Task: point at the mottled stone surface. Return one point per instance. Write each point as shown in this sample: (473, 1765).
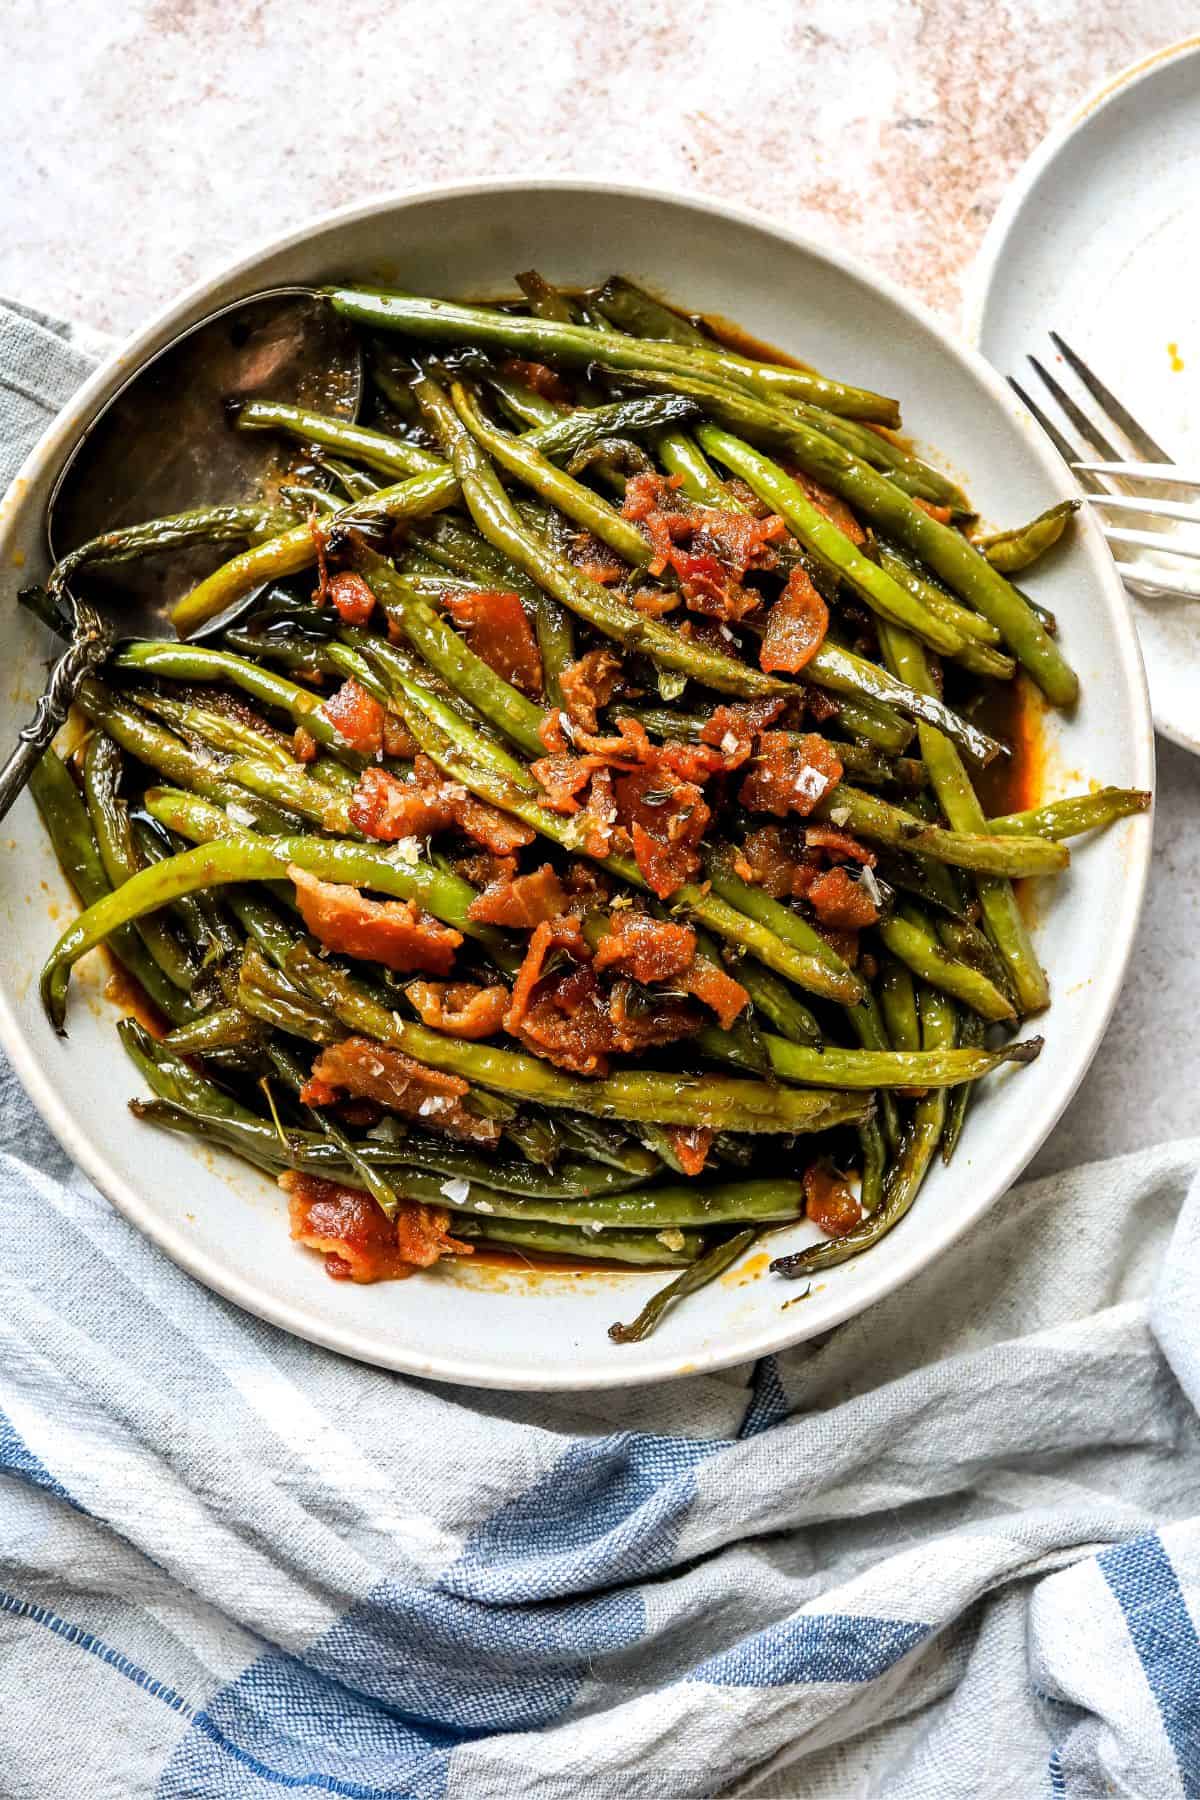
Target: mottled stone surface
(147, 143)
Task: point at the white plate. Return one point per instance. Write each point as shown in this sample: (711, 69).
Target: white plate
(228, 1225)
(1096, 239)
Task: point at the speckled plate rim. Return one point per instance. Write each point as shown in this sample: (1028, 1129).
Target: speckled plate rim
(878, 1276)
(985, 271)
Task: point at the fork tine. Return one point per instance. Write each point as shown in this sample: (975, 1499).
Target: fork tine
(1147, 472)
(1077, 416)
(1138, 582)
(1187, 510)
(1138, 436)
(1065, 449)
(1116, 533)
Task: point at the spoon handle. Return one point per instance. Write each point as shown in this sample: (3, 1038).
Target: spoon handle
(89, 646)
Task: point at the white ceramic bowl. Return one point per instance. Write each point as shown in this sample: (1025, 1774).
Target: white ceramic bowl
(226, 1224)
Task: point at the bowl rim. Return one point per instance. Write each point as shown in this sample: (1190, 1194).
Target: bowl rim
(778, 1331)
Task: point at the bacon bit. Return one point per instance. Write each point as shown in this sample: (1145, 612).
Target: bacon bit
(708, 982)
(587, 887)
(321, 591)
(734, 728)
(844, 942)
(373, 1071)
(573, 1023)
(386, 808)
(721, 546)
(560, 779)
(840, 902)
(398, 741)
(593, 559)
(943, 514)
(304, 745)
(666, 818)
(636, 1027)
(709, 634)
(564, 932)
(317, 1093)
(821, 706)
(771, 859)
(708, 587)
(536, 375)
(357, 717)
(498, 631)
(589, 684)
(838, 846)
(358, 1241)
(462, 1008)
(790, 776)
(551, 732)
(352, 599)
(521, 902)
(645, 948)
(832, 505)
(691, 1144)
(481, 868)
(828, 1201)
(652, 603)
(394, 932)
(599, 818)
(796, 626)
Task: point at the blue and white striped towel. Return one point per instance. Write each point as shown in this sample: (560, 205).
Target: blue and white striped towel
(952, 1550)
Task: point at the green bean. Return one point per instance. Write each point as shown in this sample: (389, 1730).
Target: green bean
(904, 569)
(230, 733)
(198, 525)
(648, 1249)
(1069, 818)
(495, 699)
(722, 1103)
(265, 993)
(903, 1180)
(294, 550)
(776, 1001)
(971, 1031)
(631, 309)
(874, 1159)
(195, 662)
(290, 650)
(870, 1069)
(604, 1143)
(363, 1174)
(578, 345)
(679, 1206)
(65, 817)
(915, 945)
(119, 855)
(1008, 854)
(959, 802)
(704, 1270)
(217, 1029)
(356, 484)
(871, 690)
(1012, 551)
(499, 521)
(898, 1004)
(390, 455)
(175, 1080)
(681, 455)
(571, 432)
(545, 301)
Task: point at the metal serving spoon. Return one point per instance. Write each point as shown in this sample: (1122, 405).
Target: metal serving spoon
(164, 443)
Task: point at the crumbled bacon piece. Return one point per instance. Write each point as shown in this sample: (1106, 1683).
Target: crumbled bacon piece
(821, 706)
(653, 603)
(521, 902)
(943, 514)
(304, 745)
(840, 902)
(357, 717)
(481, 868)
(733, 728)
(561, 778)
(837, 845)
(588, 684)
(358, 1241)
(395, 933)
(828, 1201)
(599, 818)
(666, 818)
(796, 626)
(708, 982)
(499, 632)
(462, 1008)
(352, 599)
(552, 733)
(386, 808)
(374, 1071)
(710, 549)
(543, 380)
(645, 948)
(572, 1022)
(833, 507)
(691, 1144)
(772, 860)
(593, 559)
(317, 1093)
(564, 932)
(790, 774)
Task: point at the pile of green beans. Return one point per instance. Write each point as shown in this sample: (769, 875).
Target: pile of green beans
(207, 774)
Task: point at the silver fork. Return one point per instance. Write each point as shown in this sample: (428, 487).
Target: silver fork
(1116, 482)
